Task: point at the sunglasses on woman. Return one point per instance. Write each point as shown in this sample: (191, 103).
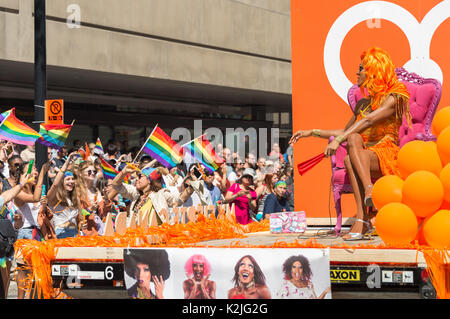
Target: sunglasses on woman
(91, 172)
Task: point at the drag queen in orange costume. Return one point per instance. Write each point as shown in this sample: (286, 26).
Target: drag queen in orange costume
(371, 134)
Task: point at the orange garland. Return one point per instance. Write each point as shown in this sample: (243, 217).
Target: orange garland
(40, 255)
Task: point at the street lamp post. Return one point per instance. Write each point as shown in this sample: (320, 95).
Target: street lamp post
(40, 75)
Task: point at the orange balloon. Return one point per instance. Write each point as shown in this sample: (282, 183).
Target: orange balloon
(423, 192)
(445, 180)
(443, 145)
(441, 120)
(396, 224)
(436, 229)
(387, 189)
(418, 156)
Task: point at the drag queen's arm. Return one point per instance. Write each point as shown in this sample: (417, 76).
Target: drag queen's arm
(326, 134)
(385, 111)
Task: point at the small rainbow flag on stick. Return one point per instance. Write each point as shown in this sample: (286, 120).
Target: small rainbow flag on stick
(82, 153)
(109, 172)
(14, 130)
(98, 149)
(203, 153)
(162, 148)
(54, 135)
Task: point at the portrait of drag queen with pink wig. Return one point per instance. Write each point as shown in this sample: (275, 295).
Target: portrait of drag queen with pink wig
(198, 285)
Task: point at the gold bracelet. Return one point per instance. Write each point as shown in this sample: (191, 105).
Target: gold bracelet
(340, 139)
(316, 132)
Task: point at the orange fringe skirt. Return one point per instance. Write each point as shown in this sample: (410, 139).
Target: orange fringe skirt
(387, 153)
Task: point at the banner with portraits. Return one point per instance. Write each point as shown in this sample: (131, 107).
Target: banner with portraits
(227, 273)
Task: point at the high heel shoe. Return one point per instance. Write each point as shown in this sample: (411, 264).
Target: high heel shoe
(361, 236)
(368, 199)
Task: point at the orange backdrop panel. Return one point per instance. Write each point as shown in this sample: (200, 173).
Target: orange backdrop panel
(316, 103)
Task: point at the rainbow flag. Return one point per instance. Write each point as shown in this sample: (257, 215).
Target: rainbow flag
(162, 148)
(54, 135)
(98, 147)
(109, 172)
(82, 153)
(203, 153)
(14, 130)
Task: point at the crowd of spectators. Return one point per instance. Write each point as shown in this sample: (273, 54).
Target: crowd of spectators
(70, 195)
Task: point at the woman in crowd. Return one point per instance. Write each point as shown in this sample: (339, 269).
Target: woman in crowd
(64, 201)
(10, 213)
(173, 180)
(277, 201)
(146, 266)
(242, 194)
(220, 178)
(14, 163)
(28, 205)
(263, 190)
(249, 280)
(372, 133)
(90, 198)
(297, 282)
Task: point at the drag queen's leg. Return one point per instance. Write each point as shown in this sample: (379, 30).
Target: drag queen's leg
(364, 162)
(358, 193)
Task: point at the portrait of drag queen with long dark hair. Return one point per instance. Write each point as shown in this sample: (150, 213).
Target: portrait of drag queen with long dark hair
(249, 280)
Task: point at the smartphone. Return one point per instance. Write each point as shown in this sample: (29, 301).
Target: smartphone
(30, 166)
(197, 173)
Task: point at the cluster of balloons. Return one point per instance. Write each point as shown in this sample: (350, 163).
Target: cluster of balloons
(416, 206)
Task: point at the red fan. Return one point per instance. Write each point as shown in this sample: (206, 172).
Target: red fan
(307, 165)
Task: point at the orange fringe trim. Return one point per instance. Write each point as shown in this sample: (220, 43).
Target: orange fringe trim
(387, 153)
(38, 256)
(438, 268)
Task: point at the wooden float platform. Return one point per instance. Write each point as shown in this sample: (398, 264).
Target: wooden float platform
(337, 253)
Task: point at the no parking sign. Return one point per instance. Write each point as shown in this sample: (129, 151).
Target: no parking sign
(54, 111)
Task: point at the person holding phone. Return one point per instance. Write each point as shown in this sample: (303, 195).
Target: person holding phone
(13, 175)
(201, 196)
(6, 151)
(173, 180)
(148, 192)
(243, 195)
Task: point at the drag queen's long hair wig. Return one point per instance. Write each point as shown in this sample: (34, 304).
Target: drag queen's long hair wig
(381, 81)
(199, 259)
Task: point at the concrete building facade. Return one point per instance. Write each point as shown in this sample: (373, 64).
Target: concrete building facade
(123, 66)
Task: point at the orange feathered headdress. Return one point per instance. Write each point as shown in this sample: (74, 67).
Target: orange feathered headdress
(381, 80)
